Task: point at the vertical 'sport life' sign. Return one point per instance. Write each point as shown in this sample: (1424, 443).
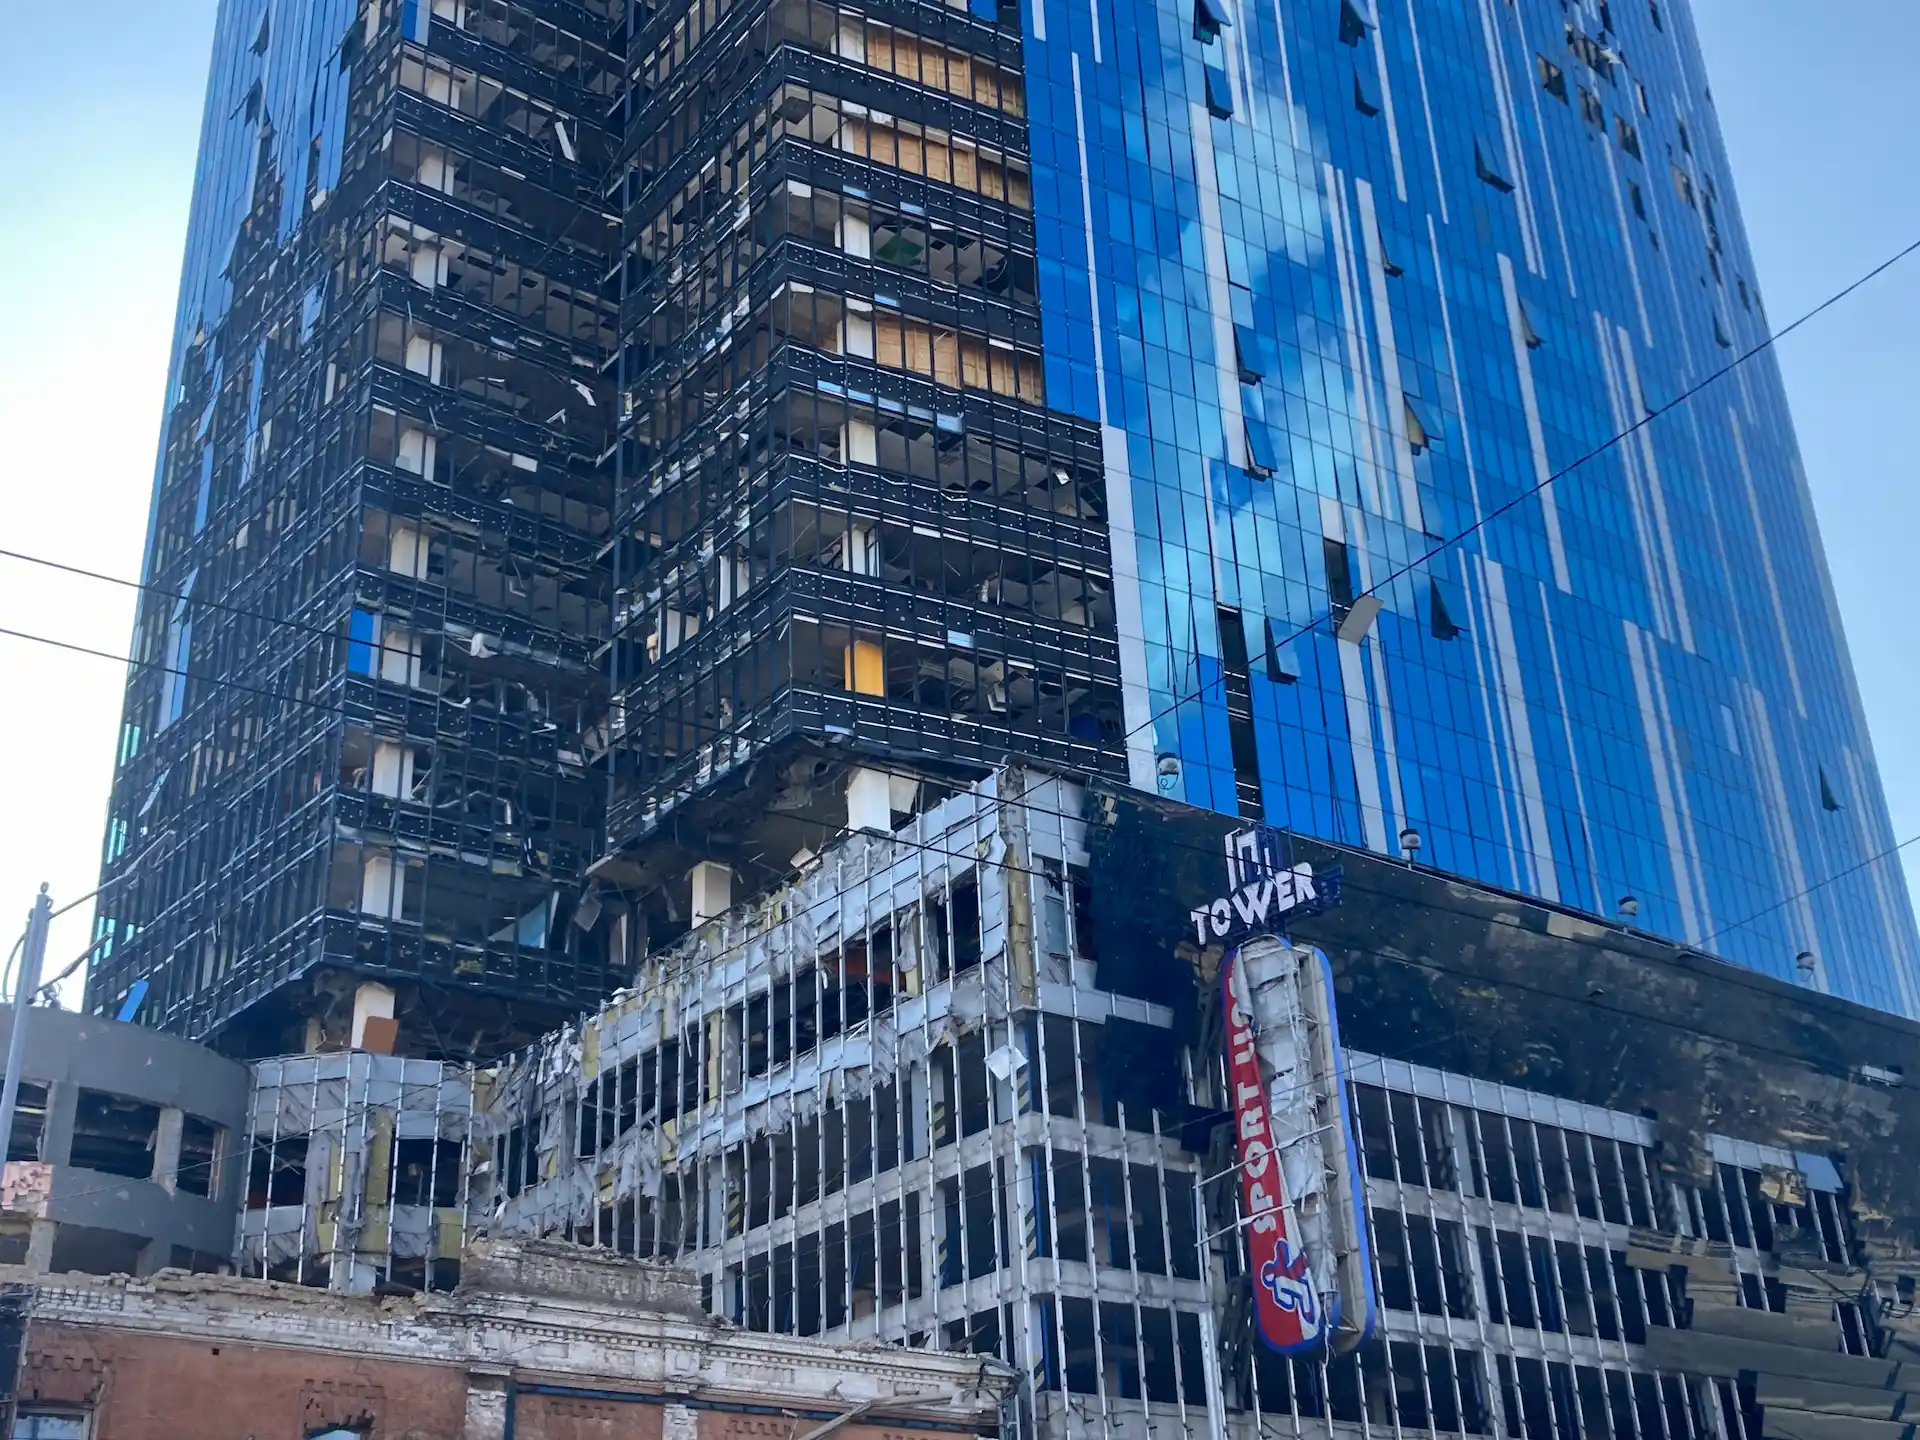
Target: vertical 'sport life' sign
(1302, 1197)
(1286, 1302)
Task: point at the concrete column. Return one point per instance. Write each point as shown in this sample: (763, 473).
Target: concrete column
(712, 890)
(166, 1150)
(489, 1398)
(373, 1011)
(870, 801)
(40, 1246)
(154, 1256)
(56, 1139)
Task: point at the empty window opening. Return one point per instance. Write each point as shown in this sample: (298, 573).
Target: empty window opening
(1552, 78)
(115, 1135)
(427, 1172)
(1356, 20)
(1488, 172)
(1241, 738)
(1443, 610)
(277, 1174)
(199, 1156)
(29, 1122)
(1828, 800)
(1261, 457)
(1219, 93)
(1209, 19)
(1339, 571)
(1362, 101)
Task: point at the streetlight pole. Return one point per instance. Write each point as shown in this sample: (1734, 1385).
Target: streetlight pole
(32, 954)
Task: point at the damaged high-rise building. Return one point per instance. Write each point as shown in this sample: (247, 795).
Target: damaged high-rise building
(1019, 1079)
(929, 656)
(1223, 397)
(1023, 1077)
(1193, 1126)
(615, 450)
(352, 788)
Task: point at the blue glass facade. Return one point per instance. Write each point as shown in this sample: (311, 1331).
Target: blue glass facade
(955, 382)
(1341, 279)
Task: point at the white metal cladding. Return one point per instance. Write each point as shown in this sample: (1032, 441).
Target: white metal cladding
(884, 1102)
(357, 1171)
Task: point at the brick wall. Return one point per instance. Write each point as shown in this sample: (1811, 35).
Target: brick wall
(154, 1387)
(144, 1386)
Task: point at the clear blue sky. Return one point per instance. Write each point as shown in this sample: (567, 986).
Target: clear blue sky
(100, 105)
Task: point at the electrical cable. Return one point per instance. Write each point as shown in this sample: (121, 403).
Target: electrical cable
(1767, 343)
(842, 832)
(1595, 453)
(330, 632)
(1605, 447)
(6, 974)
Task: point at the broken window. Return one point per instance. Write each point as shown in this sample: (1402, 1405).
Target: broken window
(115, 1135)
(1485, 168)
(1070, 1204)
(1262, 459)
(1422, 431)
(427, 1172)
(1552, 78)
(277, 1174)
(1283, 661)
(1444, 610)
(1081, 884)
(198, 1172)
(1339, 572)
(1362, 101)
(1209, 18)
(29, 1122)
(1253, 353)
(1828, 800)
(1082, 1367)
(1219, 93)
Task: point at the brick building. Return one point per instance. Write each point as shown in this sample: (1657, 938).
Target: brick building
(541, 1342)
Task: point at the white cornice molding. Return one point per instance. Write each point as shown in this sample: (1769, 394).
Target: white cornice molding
(557, 1340)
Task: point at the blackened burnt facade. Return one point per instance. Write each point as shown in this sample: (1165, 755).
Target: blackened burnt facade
(352, 749)
(849, 529)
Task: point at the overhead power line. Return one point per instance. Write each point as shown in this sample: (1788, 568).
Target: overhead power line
(840, 832)
(332, 632)
(1566, 470)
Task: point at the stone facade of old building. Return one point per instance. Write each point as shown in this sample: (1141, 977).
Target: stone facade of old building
(540, 1342)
